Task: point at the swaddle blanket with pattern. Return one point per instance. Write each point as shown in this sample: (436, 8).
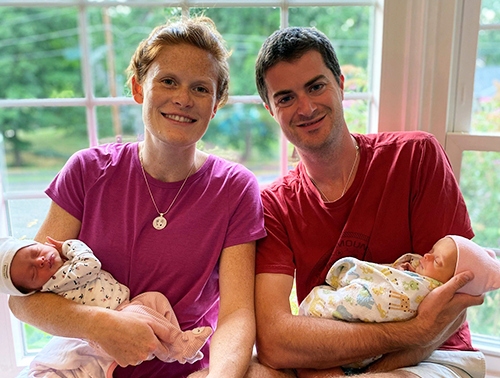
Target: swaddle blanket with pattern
(363, 291)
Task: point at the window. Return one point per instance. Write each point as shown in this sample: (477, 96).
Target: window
(64, 90)
(409, 65)
(473, 143)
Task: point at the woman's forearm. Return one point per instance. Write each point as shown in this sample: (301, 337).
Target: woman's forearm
(55, 315)
(232, 345)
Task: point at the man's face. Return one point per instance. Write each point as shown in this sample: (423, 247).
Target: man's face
(306, 100)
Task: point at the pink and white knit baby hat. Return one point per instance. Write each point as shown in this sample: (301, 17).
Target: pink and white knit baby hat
(480, 261)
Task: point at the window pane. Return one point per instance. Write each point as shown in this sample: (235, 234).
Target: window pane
(26, 216)
(40, 53)
(349, 29)
(244, 30)
(34, 339)
(479, 182)
(486, 105)
(122, 123)
(115, 34)
(247, 134)
(37, 142)
(356, 115)
(490, 12)
(484, 319)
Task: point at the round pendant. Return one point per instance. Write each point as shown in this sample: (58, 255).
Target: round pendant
(159, 222)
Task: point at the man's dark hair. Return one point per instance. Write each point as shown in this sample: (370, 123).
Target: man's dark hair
(288, 45)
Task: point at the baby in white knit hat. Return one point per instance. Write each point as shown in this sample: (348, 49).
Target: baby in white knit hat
(71, 270)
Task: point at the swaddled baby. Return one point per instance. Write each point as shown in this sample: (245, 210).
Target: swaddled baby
(356, 290)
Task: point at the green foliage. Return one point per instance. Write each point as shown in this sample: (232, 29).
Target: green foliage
(480, 183)
(490, 12)
(348, 28)
(35, 339)
(486, 117)
(128, 27)
(356, 115)
(37, 58)
(244, 30)
(484, 319)
(248, 129)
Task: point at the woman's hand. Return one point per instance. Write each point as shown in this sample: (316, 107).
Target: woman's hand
(126, 337)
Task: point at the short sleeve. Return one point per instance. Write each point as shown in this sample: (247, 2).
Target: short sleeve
(274, 253)
(246, 220)
(82, 170)
(67, 189)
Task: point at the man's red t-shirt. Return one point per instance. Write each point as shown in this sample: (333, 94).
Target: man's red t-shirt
(403, 199)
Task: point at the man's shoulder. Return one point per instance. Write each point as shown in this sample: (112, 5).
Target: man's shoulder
(397, 138)
(290, 182)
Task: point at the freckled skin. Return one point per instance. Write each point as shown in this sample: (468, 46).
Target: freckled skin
(178, 95)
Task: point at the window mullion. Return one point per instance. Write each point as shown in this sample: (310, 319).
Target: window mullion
(88, 87)
(463, 72)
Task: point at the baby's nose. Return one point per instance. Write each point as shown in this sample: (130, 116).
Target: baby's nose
(41, 261)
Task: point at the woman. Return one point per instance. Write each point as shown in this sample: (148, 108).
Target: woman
(162, 216)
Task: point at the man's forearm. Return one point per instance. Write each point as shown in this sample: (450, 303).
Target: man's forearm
(414, 356)
(287, 341)
(310, 342)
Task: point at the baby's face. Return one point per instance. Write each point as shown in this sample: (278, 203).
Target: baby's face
(33, 265)
(440, 262)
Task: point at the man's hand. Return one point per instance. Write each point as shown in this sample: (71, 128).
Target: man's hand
(439, 316)
(442, 307)
(126, 337)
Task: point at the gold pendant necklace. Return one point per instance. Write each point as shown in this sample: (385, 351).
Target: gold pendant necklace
(160, 222)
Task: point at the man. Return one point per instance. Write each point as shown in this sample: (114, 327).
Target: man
(373, 197)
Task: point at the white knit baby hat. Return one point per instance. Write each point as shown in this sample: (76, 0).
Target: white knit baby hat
(480, 261)
(8, 248)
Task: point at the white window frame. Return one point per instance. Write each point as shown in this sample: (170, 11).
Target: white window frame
(459, 138)
(427, 80)
(424, 51)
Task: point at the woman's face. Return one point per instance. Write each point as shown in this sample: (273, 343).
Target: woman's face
(178, 94)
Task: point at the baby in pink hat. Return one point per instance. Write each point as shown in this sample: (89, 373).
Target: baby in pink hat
(454, 254)
(356, 290)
